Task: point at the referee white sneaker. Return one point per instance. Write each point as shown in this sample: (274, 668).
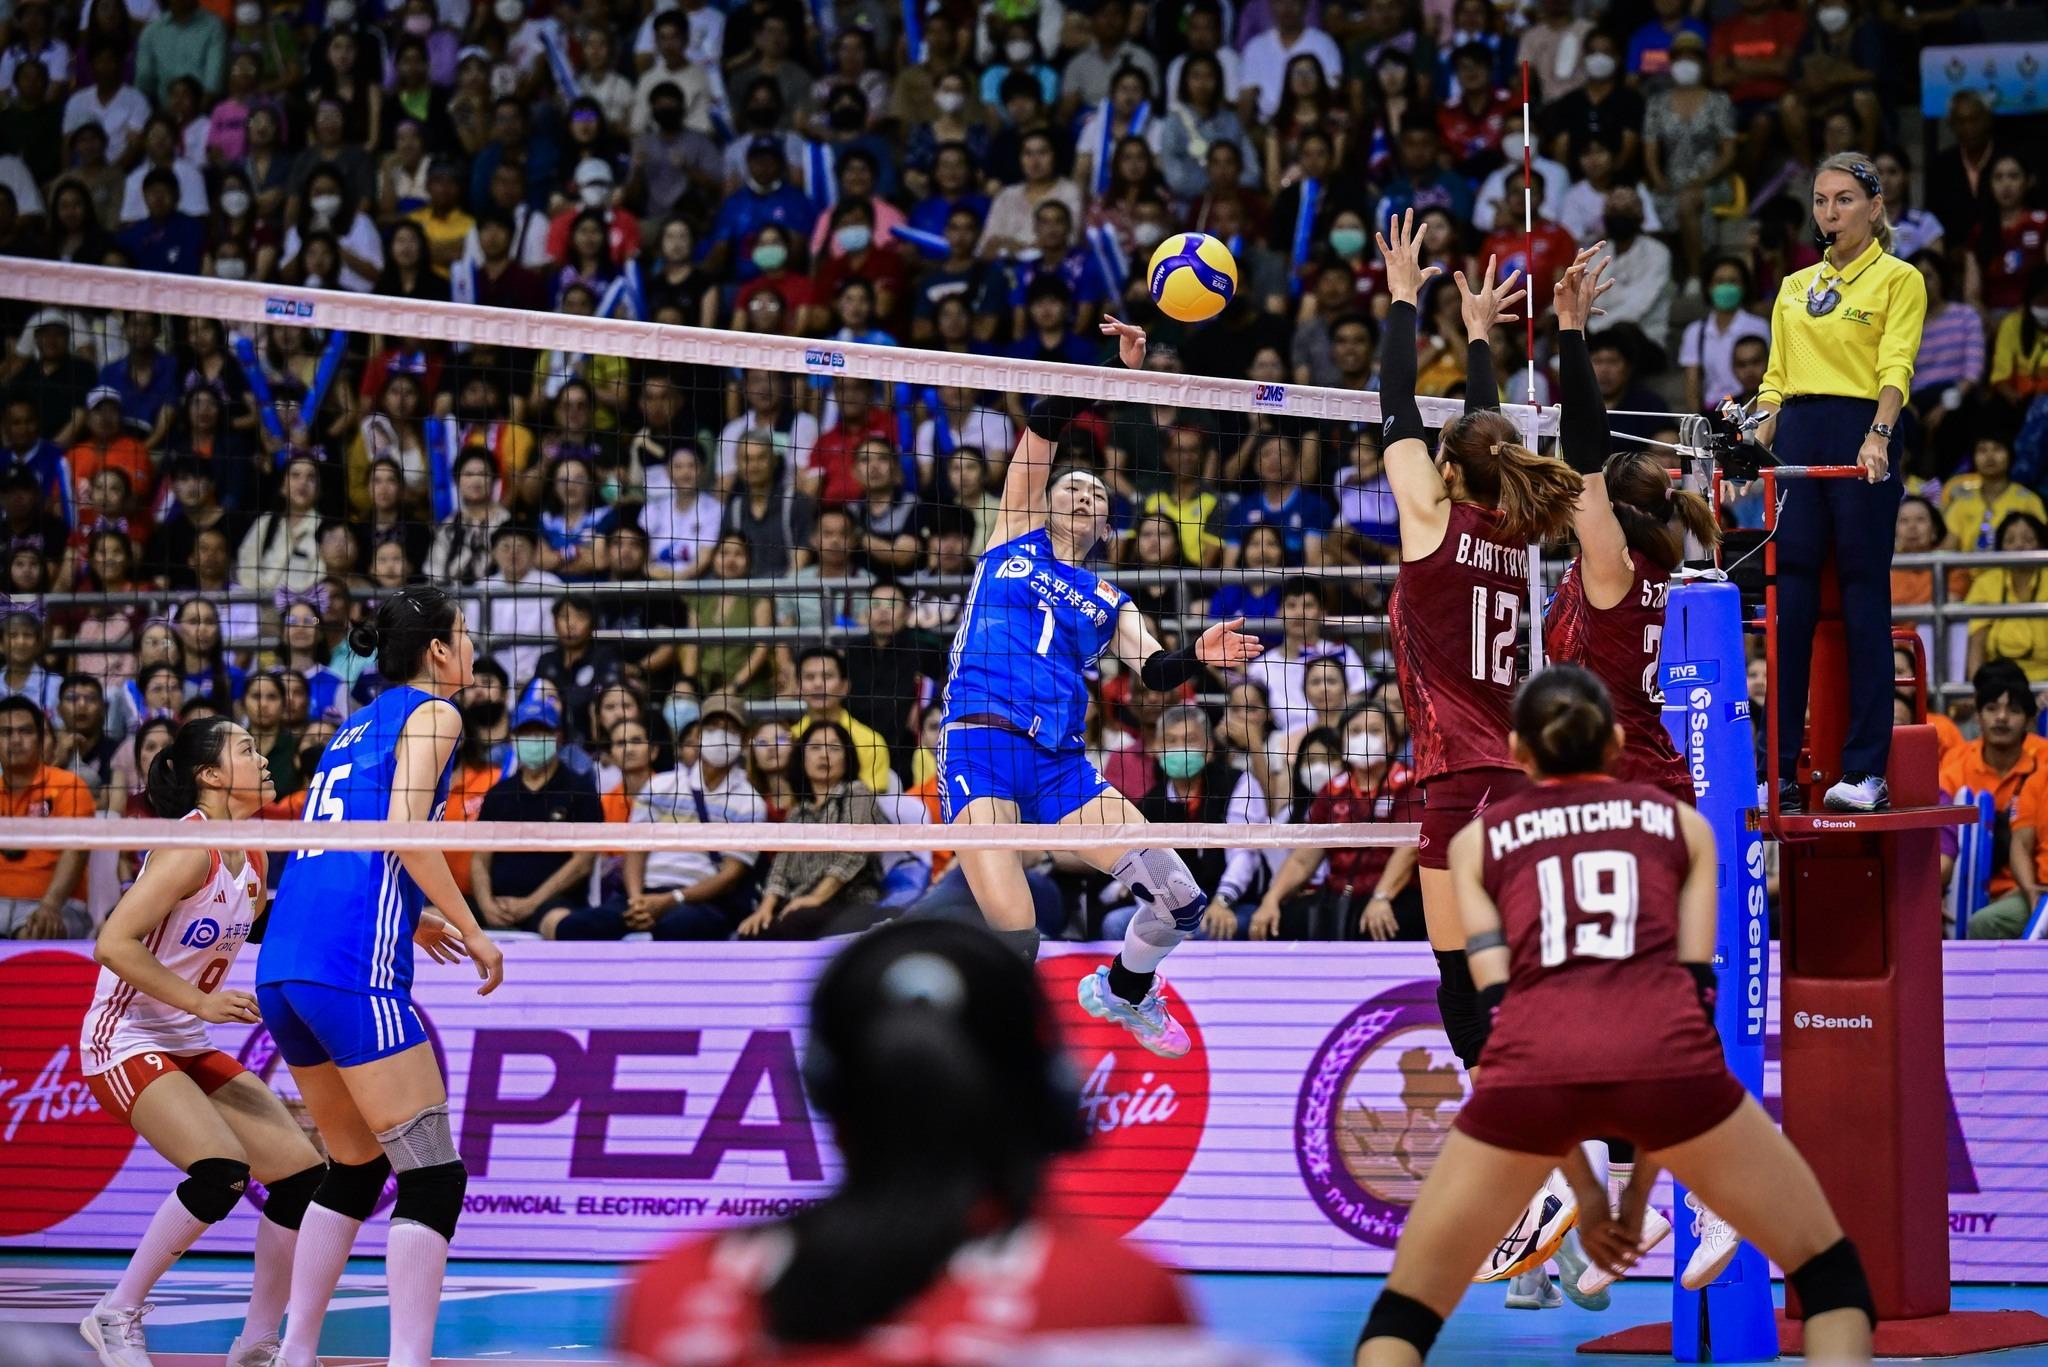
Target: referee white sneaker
(1149, 1022)
(115, 1333)
(1859, 793)
(1594, 1281)
(1718, 1245)
(1533, 1290)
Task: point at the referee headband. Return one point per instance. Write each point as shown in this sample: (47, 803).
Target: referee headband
(1860, 172)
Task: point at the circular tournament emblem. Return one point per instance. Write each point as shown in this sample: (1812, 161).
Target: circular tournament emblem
(259, 1055)
(1820, 304)
(1144, 1114)
(1375, 1110)
(58, 1148)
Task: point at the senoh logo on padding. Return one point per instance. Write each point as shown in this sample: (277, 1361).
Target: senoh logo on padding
(1374, 1111)
(1808, 1021)
(58, 1149)
(1143, 1114)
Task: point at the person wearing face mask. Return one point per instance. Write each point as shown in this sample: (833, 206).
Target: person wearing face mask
(535, 890)
(1707, 350)
(858, 253)
(596, 192)
(766, 197)
(686, 894)
(1371, 785)
(1640, 269)
(1752, 55)
(484, 758)
(673, 164)
(1553, 48)
(1603, 108)
(1836, 71)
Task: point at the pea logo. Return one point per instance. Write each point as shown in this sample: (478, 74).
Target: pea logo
(1374, 1111)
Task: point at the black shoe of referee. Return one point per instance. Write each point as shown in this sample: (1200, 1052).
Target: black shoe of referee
(1791, 797)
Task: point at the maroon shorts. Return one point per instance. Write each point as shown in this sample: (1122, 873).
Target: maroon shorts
(1652, 1115)
(1450, 801)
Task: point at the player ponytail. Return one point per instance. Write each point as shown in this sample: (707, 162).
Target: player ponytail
(1565, 721)
(407, 623)
(173, 783)
(934, 1055)
(1535, 495)
(1654, 513)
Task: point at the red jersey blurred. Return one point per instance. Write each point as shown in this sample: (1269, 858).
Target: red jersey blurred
(2011, 256)
(1343, 801)
(700, 1303)
(1456, 618)
(1586, 873)
(1621, 645)
(1541, 256)
(1467, 135)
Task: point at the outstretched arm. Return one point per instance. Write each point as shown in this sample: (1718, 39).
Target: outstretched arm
(1583, 438)
(1022, 507)
(1222, 646)
(1418, 487)
(1482, 308)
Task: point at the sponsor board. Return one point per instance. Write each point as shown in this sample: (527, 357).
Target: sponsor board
(610, 1097)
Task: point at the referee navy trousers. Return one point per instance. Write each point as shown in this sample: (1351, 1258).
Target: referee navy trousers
(1856, 521)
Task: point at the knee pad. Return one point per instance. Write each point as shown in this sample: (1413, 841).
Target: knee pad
(286, 1199)
(1163, 884)
(212, 1186)
(1833, 1280)
(352, 1189)
(1395, 1316)
(425, 1141)
(432, 1196)
(1466, 1022)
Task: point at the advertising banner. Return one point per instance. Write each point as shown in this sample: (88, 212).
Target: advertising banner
(609, 1097)
(2012, 77)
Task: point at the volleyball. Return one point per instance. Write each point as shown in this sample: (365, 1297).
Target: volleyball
(1193, 276)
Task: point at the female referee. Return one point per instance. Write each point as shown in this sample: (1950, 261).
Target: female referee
(335, 977)
(1588, 901)
(1843, 337)
(1468, 515)
(1012, 747)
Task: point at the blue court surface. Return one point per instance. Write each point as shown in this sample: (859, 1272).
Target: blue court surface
(507, 1314)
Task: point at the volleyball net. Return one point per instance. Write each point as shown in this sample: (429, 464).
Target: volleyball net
(690, 557)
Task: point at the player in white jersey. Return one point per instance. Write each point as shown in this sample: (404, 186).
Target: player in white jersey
(145, 1053)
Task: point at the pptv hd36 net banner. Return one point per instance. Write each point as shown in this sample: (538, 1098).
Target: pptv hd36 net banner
(611, 1096)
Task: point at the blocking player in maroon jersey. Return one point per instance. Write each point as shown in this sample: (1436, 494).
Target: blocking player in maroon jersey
(1586, 902)
(1468, 514)
(1608, 612)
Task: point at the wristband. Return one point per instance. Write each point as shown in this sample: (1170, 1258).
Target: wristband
(1485, 939)
(1167, 670)
(1707, 985)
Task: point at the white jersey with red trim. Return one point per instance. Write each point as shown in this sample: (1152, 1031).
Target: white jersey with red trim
(198, 941)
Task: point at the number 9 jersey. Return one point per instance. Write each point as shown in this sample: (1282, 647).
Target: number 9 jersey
(1456, 617)
(345, 918)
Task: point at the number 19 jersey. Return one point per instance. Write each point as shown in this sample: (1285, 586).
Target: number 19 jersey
(1032, 628)
(1456, 617)
(345, 918)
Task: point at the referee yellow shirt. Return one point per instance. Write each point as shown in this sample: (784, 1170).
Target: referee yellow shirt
(1848, 333)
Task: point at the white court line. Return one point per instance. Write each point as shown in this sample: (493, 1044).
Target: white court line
(223, 1296)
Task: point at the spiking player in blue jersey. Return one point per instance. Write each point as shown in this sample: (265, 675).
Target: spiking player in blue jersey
(1012, 748)
(334, 981)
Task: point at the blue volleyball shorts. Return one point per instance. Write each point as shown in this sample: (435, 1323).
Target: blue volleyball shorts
(987, 761)
(314, 1023)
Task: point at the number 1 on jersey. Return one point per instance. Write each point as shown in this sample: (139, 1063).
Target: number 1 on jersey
(1496, 620)
(1045, 632)
(321, 802)
(1603, 884)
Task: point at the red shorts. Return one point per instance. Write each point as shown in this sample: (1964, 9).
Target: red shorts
(117, 1088)
(1450, 801)
(1653, 1115)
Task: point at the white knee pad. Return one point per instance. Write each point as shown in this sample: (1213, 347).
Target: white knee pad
(1170, 902)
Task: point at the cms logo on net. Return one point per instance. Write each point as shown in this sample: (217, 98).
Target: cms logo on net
(1805, 1020)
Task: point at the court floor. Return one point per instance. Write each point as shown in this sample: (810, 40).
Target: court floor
(508, 1314)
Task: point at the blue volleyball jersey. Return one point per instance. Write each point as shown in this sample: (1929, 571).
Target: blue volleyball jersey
(1032, 627)
(345, 918)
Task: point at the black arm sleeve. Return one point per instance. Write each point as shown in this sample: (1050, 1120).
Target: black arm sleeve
(1167, 670)
(1583, 439)
(1706, 985)
(1048, 417)
(1482, 390)
(1403, 419)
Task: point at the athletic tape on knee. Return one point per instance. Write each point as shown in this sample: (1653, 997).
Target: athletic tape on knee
(425, 1141)
(1162, 882)
(286, 1199)
(1395, 1316)
(212, 1186)
(1833, 1279)
(1466, 1022)
(432, 1196)
(352, 1189)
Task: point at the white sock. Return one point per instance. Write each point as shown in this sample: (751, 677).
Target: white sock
(271, 1282)
(1596, 1157)
(325, 1239)
(172, 1230)
(414, 1260)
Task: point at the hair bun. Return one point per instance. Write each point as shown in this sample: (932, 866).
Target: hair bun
(363, 638)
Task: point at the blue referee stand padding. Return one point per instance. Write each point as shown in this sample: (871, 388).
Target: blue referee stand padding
(1706, 709)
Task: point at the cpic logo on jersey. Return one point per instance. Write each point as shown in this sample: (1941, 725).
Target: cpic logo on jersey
(1016, 567)
(202, 933)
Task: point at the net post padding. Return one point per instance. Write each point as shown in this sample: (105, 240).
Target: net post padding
(151, 833)
(254, 304)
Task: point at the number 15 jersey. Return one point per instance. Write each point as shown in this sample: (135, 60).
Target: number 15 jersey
(1456, 617)
(345, 918)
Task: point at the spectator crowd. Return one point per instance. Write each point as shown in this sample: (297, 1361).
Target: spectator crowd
(708, 595)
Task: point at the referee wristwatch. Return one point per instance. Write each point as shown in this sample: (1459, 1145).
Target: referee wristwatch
(1883, 429)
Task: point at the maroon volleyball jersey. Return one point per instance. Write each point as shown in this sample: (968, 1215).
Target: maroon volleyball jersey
(1456, 618)
(1622, 646)
(1586, 873)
